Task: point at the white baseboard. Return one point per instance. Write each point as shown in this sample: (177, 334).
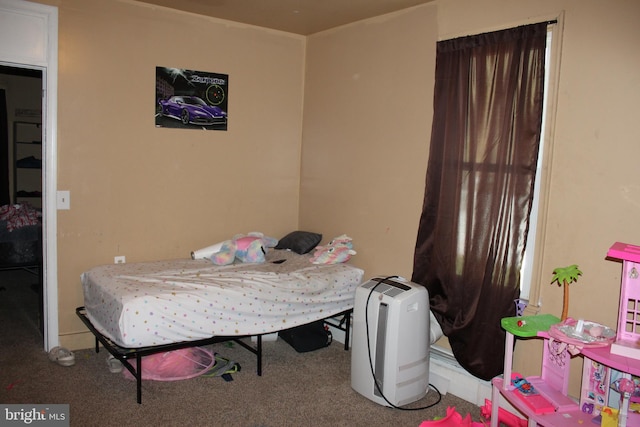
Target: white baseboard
(445, 370)
(446, 374)
(337, 334)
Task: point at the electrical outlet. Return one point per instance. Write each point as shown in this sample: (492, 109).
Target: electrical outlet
(119, 259)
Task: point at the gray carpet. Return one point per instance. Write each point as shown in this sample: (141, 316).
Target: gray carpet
(296, 389)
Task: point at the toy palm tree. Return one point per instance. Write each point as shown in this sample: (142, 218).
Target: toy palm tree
(565, 276)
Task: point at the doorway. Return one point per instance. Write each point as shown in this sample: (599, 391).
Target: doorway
(21, 244)
(29, 39)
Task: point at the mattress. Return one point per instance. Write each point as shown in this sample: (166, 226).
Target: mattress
(162, 302)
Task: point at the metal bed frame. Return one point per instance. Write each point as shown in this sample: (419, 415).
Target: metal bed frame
(123, 354)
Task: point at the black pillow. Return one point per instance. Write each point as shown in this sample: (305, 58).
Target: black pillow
(300, 242)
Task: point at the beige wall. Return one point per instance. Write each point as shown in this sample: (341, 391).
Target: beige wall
(368, 116)
(358, 156)
(367, 121)
(156, 193)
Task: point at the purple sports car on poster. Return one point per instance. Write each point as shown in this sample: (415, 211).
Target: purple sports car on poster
(191, 110)
(188, 99)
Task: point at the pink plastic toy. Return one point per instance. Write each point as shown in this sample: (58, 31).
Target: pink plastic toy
(628, 333)
(452, 419)
(505, 418)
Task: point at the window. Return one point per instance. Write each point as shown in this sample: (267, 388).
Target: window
(531, 275)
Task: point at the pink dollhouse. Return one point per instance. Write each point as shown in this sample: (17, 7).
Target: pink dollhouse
(608, 366)
(628, 334)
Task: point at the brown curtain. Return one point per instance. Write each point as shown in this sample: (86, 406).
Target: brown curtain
(479, 187)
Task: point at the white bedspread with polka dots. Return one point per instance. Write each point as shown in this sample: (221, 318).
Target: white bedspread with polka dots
(162, 302)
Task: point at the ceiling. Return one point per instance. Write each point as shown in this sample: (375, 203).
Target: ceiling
(303, 17)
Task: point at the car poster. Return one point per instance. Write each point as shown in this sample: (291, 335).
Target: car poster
(188, 99)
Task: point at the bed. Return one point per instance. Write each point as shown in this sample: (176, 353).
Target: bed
(139, 309)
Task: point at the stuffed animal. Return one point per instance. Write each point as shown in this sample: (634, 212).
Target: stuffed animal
(250, 248)
(338, 250)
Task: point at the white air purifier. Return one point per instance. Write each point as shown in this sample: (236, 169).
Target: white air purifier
(391, 337)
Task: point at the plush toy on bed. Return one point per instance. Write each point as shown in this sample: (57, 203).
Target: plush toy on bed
(250, 248)
(338, 250)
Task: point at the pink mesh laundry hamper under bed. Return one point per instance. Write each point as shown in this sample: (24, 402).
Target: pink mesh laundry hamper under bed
(175, 365)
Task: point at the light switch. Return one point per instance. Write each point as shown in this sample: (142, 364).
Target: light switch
(64, 200)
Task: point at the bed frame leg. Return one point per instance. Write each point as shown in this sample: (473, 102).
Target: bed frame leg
(139, 379)
(347, 328)
(259, 355)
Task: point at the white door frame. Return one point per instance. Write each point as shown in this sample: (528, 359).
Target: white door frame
(29, 39)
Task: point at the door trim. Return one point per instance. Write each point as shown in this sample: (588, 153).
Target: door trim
(29, 39)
